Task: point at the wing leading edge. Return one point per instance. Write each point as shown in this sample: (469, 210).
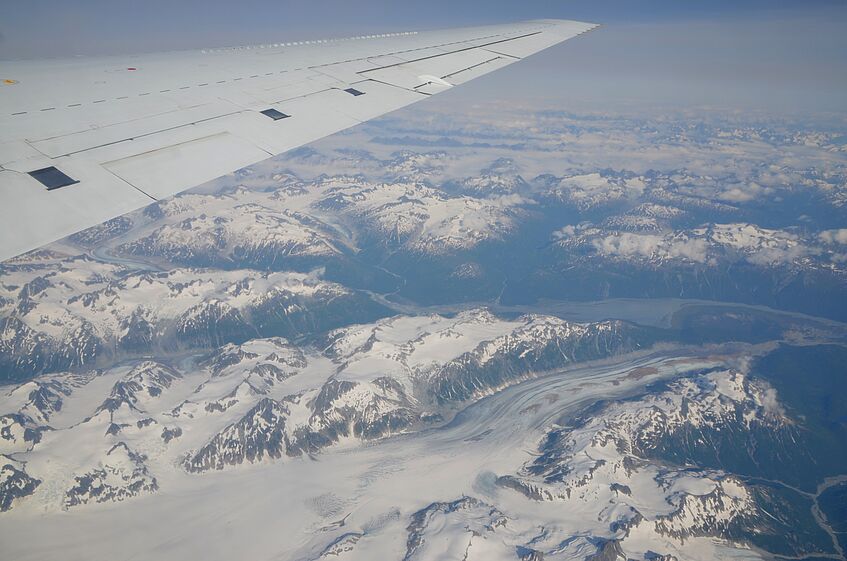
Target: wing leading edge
(86, 140)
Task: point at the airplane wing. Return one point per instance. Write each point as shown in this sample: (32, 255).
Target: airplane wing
(85, 140)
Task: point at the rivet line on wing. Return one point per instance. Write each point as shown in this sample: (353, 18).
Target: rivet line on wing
(309, 42)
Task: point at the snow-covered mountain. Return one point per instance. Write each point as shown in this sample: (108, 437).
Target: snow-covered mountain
(592, 190)
(121, 475)
(443, 360)
(84, 311)
(316, 221)
(402, 372)
(622, 499)
(643, 241)
(248, 233)
(266, 399)
(135, 391)
(19, 433)
(14, 482)
(635, 477)
(370, 215)
(501, 177)
(637, 255)
(634, 465)
(218, 376)
(419, 218)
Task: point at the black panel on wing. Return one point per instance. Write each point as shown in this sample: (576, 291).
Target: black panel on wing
(274, 114)
(52, 178)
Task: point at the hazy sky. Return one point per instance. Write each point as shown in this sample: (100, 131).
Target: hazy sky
(775, 54)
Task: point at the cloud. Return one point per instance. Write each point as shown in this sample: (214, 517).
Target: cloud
(742, 195)
(778, 255)
(564, 233)
(761, 246)
(512, 199)
(647, 245)
(834, 236)
(755, 245)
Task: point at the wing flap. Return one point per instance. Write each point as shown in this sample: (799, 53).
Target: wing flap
(412, 75)
(163, 172)
(434, 86)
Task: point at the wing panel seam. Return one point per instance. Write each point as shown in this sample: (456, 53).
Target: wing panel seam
(145, 135)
